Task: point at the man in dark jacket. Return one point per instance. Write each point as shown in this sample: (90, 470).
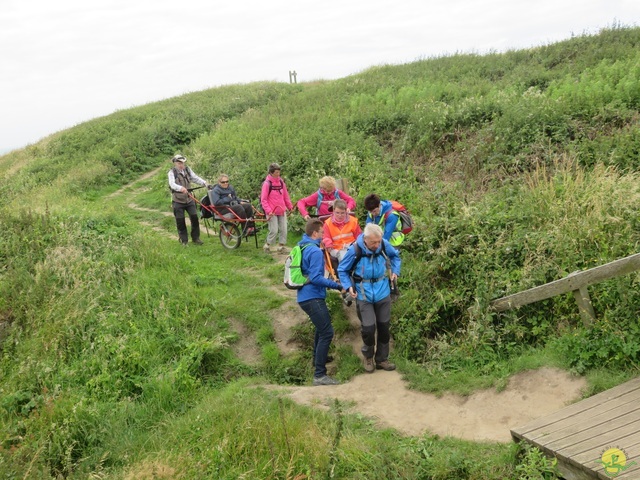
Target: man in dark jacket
(180, 179)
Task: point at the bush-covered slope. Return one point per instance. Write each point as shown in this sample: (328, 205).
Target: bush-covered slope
(519, 168)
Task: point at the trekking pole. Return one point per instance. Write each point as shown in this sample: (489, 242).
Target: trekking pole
(327, 262)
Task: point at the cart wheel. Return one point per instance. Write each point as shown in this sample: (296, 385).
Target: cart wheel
(230, 235)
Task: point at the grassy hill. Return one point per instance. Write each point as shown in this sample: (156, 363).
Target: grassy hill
(117, 358)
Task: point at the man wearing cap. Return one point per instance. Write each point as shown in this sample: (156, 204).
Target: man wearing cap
(180, 179)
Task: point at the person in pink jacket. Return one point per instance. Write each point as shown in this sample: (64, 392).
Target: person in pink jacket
(322, 200)
(276, 204)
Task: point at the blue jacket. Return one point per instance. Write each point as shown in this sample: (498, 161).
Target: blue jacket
(371, 266)
(313, 267)
(392, 225)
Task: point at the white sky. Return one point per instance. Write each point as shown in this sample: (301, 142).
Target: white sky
(67, 61)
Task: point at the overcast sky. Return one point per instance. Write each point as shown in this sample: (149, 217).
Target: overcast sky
(67, 61)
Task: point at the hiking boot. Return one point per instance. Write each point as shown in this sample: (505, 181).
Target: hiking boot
(386, 365)
(369, 367)
(267, 248)
(198, 242)
(282, 249)
(324, 380)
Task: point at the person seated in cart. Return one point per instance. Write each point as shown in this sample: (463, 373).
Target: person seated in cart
(323, 199)
(224, 198)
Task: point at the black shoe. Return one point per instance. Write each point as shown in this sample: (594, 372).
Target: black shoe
(184, 244)
(198, 242)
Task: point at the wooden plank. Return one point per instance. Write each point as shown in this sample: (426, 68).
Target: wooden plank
(568, 284)
(562, 429)
(578, 434)
(619, 427)
(591, 458)
(609, 408)
(632, 387)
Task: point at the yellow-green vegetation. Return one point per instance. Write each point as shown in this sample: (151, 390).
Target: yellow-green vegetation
(116, 342)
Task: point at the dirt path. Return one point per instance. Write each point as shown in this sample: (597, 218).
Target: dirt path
(486, 415)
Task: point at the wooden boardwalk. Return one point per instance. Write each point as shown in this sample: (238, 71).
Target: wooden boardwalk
(583, 434)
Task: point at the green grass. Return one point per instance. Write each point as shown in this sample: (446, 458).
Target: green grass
(117, 343)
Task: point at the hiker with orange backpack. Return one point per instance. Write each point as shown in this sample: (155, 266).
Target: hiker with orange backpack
(391, 216)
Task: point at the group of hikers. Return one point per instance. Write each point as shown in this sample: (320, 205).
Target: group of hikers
(366, 260)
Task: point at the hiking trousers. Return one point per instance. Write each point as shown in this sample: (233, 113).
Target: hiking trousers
(277, 229)
(178, 212)
(319, 314)
(375, 318)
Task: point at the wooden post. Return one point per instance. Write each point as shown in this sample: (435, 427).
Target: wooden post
(343, 185)
(292, 76)
(584, 303)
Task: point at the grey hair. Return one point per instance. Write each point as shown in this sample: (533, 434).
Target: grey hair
(372, 230)
(223, 175)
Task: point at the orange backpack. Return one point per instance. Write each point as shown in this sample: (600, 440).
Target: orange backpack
(406, 220)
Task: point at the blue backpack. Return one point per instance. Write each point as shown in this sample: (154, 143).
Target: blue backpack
(321, 197)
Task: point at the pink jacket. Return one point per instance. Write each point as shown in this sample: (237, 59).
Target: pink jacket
(275, 197)
(327, 201)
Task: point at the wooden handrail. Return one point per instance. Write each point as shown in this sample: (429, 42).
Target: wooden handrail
(576, 282)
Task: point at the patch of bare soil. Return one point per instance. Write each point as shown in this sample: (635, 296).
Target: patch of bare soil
(126, 187)
(246, 347)
(487, 415)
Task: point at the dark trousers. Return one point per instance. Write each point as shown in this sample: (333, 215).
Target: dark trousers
(318, 312)
(178, 212)
(242, 210)
(375, 317)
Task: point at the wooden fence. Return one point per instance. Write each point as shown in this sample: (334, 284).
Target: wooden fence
(576, 282)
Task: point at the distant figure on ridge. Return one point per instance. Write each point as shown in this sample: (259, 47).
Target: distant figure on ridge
(180, 179)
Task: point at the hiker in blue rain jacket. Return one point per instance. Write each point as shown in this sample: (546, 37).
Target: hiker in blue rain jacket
(311, 298)
(381, 212)
(365, 272)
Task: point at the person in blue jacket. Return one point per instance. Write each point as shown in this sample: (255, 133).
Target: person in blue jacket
(382, 213)
(312, 298)
(366, 271)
